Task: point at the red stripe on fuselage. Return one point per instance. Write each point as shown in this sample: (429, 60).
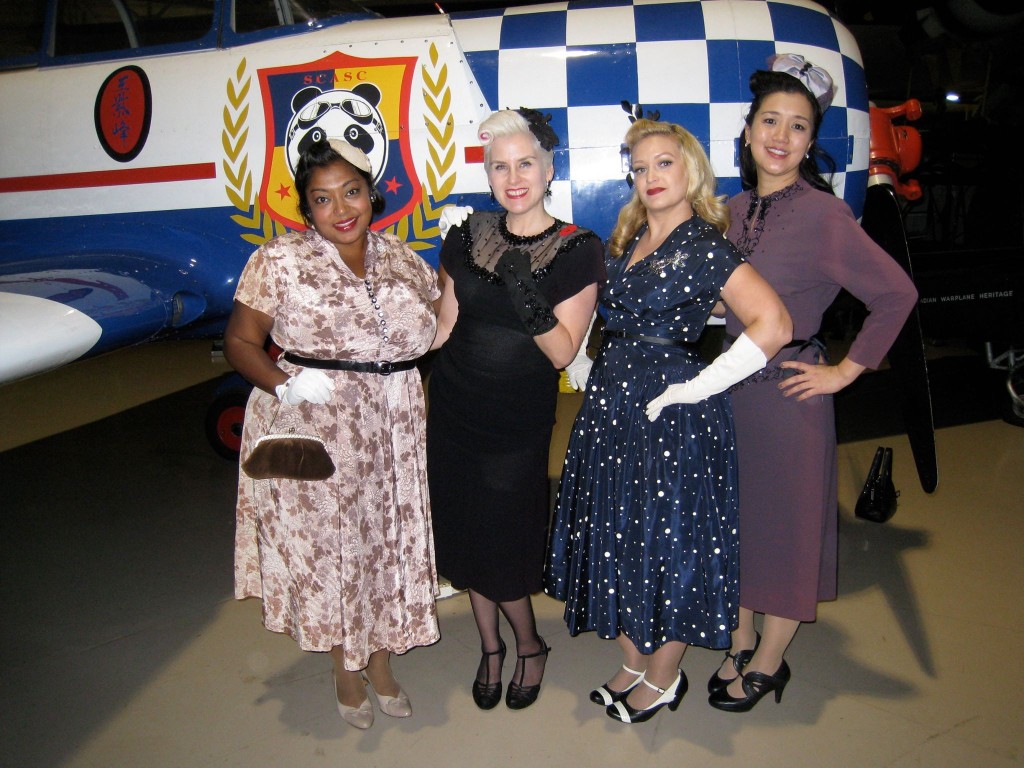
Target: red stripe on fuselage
(120, 177)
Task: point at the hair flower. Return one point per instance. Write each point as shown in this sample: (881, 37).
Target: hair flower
(540, 128)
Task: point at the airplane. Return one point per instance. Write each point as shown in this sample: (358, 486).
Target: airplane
(148, 147)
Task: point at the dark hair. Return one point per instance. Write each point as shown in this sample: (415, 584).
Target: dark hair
(318, 155)
(762, 85)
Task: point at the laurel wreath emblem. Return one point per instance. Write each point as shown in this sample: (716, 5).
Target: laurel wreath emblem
(420, 226)
(239, 187)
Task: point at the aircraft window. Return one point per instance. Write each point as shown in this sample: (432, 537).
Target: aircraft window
(22, 30)
(254, 15)
(97, 26)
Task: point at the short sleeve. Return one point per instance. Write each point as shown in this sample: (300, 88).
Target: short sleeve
(726, 258)
(256, 287)
(426, 273)
(579, 265)
(455, 247)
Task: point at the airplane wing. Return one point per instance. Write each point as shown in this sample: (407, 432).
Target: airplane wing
(39, 334)
(85, 306)
(87, 287)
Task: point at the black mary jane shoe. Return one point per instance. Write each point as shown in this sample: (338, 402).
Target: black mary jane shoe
(487, 694)
(740, 659)
(605, 696)
(756, 685)
(519, 696)
(670, 697)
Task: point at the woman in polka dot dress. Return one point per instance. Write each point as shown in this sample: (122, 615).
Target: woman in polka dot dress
(644, 542)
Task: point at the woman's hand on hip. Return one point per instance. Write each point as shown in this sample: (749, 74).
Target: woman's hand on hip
(812, 380)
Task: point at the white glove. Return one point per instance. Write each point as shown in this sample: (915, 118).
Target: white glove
(453, 216)
(310, 384)
(743, 358)
(578, 371)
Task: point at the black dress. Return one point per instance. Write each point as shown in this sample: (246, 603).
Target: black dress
(492, 406)
(644, 540)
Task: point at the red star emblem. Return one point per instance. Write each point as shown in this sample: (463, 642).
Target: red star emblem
(393, 184)
(284, 191)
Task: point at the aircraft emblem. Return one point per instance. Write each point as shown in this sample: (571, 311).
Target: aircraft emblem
(362, 101)
(124, 108)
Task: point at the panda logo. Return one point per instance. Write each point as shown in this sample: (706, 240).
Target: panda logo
(351, 116)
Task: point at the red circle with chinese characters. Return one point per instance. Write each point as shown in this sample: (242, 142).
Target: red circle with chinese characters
(124, 106)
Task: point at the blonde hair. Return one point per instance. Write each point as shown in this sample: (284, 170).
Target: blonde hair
(508, 122)
(700, 190)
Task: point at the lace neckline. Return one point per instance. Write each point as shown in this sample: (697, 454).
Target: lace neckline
(488, 237)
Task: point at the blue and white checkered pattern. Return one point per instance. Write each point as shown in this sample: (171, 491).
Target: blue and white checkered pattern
(689, 60)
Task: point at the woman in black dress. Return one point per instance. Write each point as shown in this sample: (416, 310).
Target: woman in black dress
(519, 288)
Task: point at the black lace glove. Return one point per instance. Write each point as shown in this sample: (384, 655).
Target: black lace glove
(533, 309)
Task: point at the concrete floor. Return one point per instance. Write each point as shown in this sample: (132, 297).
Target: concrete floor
(120, 643)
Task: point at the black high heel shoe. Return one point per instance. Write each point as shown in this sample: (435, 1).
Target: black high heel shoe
(488, 694)
(739, 660)
(605, 696)
(756, 685)
(519, 696)
(670, 697)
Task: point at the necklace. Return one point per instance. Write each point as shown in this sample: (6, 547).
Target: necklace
(381, 321)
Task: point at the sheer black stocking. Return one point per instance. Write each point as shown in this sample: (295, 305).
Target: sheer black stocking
(519, 614)
(485, 612)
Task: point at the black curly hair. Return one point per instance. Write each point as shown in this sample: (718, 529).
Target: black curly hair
(320, 154)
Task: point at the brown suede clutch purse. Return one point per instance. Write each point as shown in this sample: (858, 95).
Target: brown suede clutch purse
(289, 456)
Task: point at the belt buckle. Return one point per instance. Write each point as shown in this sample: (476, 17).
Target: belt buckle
(384, 367)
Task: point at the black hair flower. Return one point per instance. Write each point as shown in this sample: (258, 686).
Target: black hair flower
(540, 128)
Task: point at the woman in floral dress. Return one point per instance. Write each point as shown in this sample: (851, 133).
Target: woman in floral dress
(344, 565)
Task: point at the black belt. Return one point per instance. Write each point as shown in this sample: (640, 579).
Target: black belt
(383, 367)
(802, 344)
(651, 339)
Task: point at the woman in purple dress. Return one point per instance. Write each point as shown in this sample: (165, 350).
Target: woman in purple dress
(807, 245)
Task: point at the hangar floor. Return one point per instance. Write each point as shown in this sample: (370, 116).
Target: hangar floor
(122, 646)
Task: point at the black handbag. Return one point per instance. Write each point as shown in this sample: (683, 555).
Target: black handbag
(877, 501)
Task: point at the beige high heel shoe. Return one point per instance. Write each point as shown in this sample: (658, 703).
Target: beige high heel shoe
(394, 706)
(360, 717)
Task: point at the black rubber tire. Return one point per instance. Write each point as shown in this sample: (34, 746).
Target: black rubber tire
(224, 422)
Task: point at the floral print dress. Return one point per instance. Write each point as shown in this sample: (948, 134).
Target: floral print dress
(346, 561)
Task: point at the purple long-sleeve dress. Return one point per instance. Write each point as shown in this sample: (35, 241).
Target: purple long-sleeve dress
(808, 246)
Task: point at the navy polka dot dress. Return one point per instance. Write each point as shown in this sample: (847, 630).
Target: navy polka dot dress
(644, 540)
